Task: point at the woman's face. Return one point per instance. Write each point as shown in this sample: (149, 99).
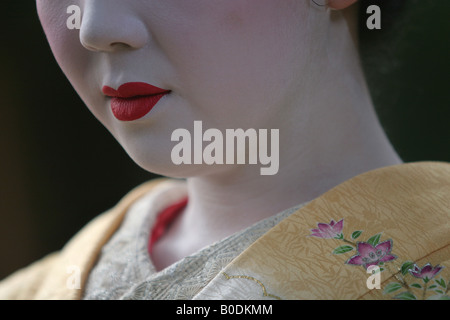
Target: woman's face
(228, 63)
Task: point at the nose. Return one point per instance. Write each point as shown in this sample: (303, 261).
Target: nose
(109, 25)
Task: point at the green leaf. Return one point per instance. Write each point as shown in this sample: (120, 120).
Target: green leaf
(342, 249)
(405, 296)
(441, 282)
(340, 236)
(439, 291)
(406, 266)
(375, 239)
(356, 234)
(432, 286)
(416, 285)
(439, 297)
(391, 287)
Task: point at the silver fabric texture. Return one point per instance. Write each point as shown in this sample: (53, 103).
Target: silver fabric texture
(125, 271)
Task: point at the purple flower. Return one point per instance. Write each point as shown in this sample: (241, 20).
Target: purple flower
(426, 273)
(369, 255)
(328, 230)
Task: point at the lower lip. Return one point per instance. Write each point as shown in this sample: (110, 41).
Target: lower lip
(130, 109)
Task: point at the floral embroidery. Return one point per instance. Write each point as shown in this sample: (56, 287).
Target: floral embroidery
(426, 273)
(327, 231)
(369, 255)
(436, 290)
(375, 253)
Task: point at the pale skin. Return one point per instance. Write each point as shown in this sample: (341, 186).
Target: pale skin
(232, 64)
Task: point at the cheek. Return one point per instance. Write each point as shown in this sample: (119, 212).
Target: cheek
(65, 44)
(74, 60)
(235, 57)
(53, 16)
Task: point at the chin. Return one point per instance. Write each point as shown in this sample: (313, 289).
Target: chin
(159, 164)
(156, 158)
(182, 171)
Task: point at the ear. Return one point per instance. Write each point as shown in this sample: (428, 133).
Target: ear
(340, 4)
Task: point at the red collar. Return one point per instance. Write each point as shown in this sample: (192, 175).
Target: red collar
(163, 220)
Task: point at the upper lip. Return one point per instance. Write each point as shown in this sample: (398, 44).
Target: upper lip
(133, 89)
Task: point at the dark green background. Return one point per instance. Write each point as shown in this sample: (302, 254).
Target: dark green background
(59, 167)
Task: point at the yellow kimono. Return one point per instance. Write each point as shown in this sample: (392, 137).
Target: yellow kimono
(381, 235)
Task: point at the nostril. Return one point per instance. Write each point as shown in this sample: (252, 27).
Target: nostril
(99, 39)
(119, 45)
(90, 48)
(106, 28)
(89, 44)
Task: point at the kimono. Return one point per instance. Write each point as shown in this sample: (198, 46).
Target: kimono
(383, 234)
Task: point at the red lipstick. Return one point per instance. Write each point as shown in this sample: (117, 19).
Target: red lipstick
(133, 100)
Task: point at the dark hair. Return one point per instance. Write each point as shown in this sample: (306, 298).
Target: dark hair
(378, 46)
(391, 13)
(406, 67)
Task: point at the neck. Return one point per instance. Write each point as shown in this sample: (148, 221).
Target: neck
(316, 156)
(222, 204)
(331, 138)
